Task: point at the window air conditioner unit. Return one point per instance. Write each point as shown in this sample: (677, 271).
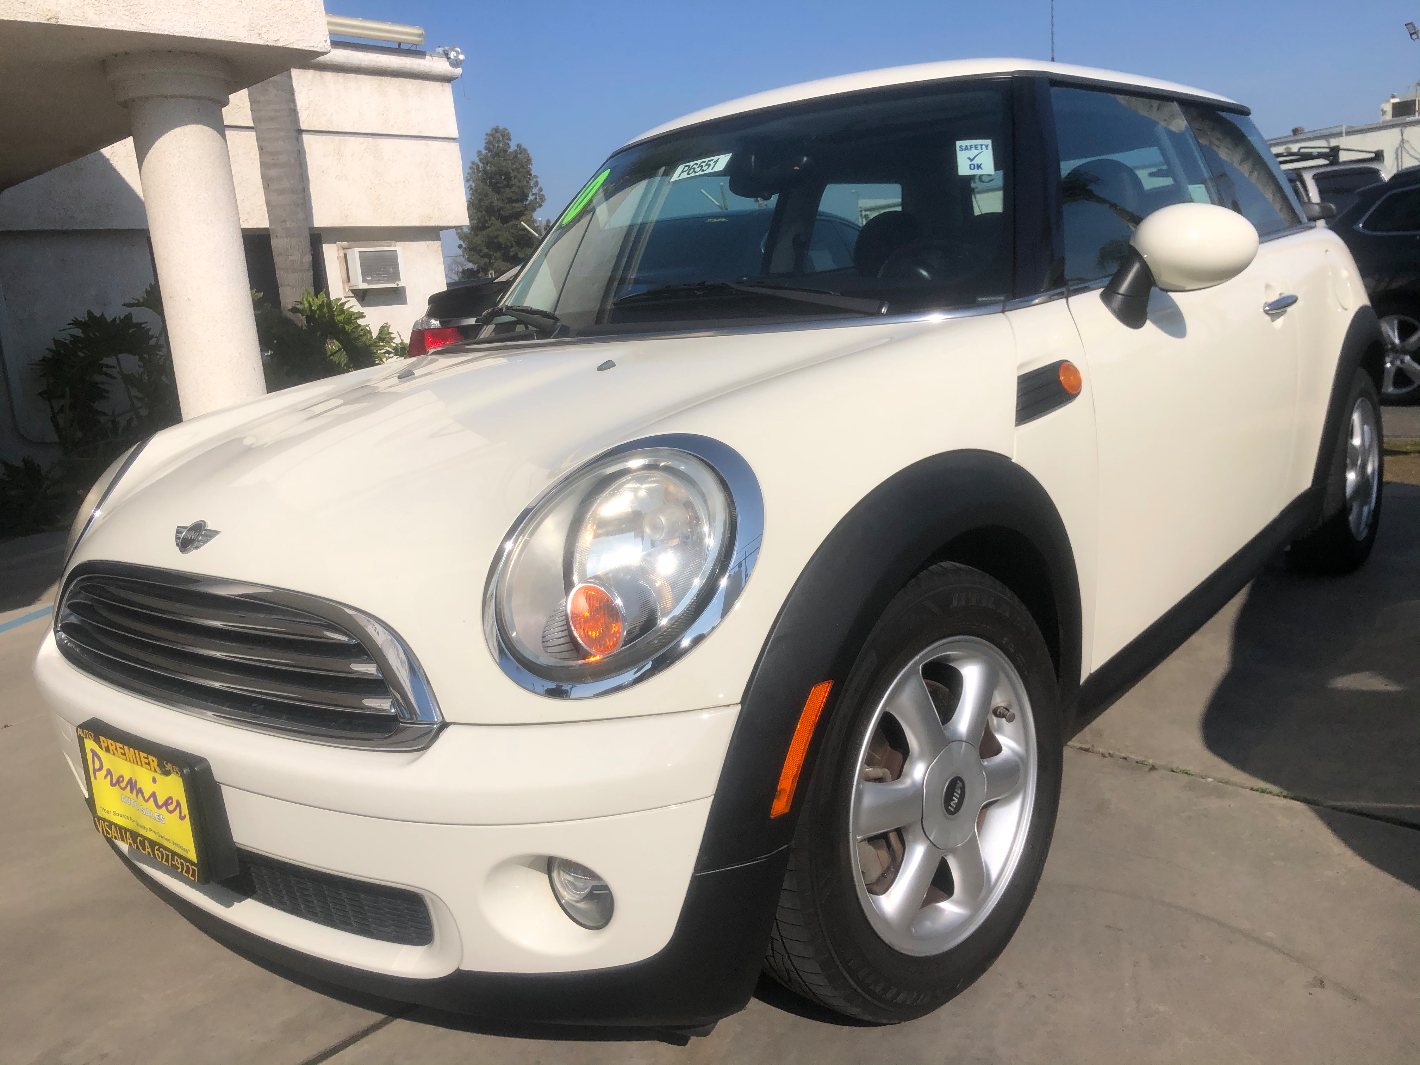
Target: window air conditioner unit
(374, 268)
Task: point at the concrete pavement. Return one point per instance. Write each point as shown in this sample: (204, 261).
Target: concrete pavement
(1180, 918)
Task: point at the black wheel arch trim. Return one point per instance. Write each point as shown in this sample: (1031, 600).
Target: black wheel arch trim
(1360, 349)
(963, 505)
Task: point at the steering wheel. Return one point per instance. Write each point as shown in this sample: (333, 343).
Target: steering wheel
(931, 260)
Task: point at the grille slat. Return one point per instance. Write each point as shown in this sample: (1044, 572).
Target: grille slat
(223, 616)
(359, 695)
(375, 911)
(341, 660)
(258, 657)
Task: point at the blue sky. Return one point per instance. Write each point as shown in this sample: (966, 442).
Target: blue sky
(575, 81)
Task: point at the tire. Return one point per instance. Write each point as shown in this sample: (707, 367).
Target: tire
(952, 647)
(1400, 333)
(1343, 542)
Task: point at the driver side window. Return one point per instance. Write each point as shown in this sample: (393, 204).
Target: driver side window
(1121, 159)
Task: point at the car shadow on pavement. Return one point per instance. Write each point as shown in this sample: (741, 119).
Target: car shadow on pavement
(1322, 696)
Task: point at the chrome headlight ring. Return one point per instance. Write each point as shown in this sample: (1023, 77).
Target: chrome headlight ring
(710, 480)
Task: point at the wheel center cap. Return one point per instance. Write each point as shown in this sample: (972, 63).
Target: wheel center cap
(952, 795)
(956, 793)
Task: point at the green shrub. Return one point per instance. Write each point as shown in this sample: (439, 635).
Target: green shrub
(331, 338)
(30, 499)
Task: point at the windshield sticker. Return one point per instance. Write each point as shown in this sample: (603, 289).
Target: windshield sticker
(974, 157)
(583, 198)
(701, 167)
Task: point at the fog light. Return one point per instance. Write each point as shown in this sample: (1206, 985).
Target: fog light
(582, 894)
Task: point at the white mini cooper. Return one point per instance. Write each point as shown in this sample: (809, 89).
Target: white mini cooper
(723, 600)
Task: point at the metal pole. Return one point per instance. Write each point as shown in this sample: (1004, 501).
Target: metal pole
(1052, 31)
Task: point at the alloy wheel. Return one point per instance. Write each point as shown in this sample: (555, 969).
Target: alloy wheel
(943, 794)
(1401, 334)
(1362, 468)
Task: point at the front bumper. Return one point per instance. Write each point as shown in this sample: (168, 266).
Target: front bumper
(467, 824)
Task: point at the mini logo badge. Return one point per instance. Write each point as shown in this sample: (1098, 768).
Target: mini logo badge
(190, 537)
(956, 792)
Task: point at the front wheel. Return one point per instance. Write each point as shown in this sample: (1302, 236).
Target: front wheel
(931, 808)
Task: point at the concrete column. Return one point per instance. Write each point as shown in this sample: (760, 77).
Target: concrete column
(174, 102)
(284, 185)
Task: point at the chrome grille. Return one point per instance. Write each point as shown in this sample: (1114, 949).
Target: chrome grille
(263, 658)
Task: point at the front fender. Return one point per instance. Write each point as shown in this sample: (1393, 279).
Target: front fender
(903, 525)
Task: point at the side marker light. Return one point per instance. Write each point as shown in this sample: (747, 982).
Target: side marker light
(1070, 379)
(799, 748)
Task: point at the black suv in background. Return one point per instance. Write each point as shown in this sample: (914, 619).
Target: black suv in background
(1382, 229)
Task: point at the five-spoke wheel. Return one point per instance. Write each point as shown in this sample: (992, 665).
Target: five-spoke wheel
(1400, 381)
(930, 806)
(943, 796)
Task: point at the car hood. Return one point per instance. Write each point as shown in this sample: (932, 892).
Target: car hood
(391, 489)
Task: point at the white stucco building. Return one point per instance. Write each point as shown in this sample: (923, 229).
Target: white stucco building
(1396, 136)
(327, 146)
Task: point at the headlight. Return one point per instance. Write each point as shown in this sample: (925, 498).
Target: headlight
(94, 501)
(623, 566)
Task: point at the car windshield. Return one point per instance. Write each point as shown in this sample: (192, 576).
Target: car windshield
(873, 203)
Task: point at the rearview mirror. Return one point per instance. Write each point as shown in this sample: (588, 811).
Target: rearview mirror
(1316, 212)
(1182, 248)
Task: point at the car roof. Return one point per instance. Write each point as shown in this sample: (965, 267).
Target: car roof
(953, 68)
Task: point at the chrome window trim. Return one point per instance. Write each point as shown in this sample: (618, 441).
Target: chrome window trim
(1033, 301)
(748, 503)
(1360, 226)
(420, 723)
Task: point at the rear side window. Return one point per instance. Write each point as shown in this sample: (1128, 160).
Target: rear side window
(1398, 212)
(1339, 188)
(1243, 174)
(1121, 159)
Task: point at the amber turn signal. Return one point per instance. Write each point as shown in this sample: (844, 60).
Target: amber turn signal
(1070, 379)
(799, 748)
(595, 618)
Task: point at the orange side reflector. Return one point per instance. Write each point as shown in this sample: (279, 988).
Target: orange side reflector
(799, 748)
(1070, 378)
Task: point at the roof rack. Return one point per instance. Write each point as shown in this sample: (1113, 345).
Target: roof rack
(1327, 155)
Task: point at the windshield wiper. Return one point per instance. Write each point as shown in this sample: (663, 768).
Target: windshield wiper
(532, 317)
(820, 296)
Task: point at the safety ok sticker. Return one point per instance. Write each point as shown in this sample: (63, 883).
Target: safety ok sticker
(974, 157)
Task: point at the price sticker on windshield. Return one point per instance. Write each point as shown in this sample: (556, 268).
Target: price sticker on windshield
(974, 157)
(701, 167)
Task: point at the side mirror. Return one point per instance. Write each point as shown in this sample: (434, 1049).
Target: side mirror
(1180, 249)
(1316, 212)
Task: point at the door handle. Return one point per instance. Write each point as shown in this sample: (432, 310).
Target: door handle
(1280, 304)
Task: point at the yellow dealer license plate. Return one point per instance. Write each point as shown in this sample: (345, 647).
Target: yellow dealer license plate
(161, 802)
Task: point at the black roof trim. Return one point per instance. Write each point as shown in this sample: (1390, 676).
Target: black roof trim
(999, 75)
(1137, 90)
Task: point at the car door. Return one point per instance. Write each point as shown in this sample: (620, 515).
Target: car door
(1194, 412)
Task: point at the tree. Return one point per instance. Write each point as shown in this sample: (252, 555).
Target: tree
(503, 197)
